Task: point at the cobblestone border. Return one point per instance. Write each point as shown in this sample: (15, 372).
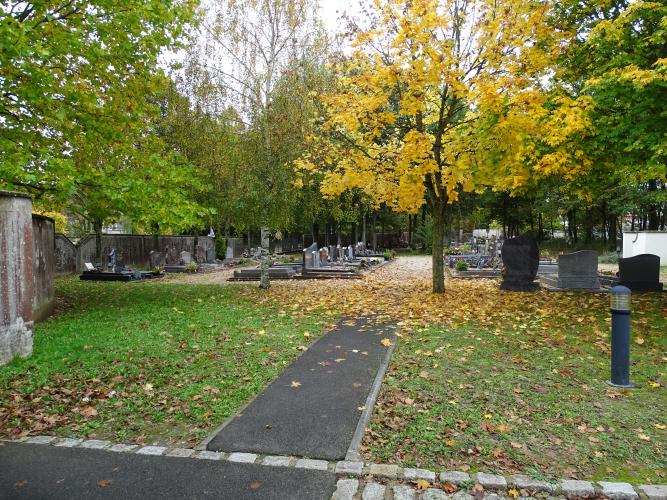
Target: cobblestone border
(371, 481)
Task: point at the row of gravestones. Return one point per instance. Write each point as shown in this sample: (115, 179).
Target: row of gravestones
(171, 257)
(576, 271)
(314, 257)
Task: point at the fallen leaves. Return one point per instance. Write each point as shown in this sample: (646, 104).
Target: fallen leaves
(421, 484)
(386, 342)
(103, 483)
(295, 384)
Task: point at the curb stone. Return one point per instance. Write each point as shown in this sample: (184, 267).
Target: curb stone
(392, 487)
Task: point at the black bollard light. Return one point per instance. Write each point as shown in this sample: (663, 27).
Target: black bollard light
(620, 337)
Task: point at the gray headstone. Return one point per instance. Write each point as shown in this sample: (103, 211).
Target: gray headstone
(186, 258)
(308, 256)
(315, 258)
(521, 258)
(640, 273)
(578, 271)
(229, 254)
(350, 252)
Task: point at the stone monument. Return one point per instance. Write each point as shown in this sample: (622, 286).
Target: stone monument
(640, 273)
(578, 271)
(521, 259)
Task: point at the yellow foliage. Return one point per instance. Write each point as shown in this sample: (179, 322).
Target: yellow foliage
(441, 97)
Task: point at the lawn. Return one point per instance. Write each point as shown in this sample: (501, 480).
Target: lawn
(521, 388)
(149, 362)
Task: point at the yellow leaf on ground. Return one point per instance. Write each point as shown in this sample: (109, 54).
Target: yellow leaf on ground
(639, 340)
(422, 484)
(386, 342)
(644, 437)
(295, 384)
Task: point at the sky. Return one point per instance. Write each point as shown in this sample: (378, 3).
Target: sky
(331, 11)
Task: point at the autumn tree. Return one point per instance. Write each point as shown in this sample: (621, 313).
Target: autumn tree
(435, 99)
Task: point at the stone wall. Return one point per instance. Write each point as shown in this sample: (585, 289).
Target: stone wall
(65, 257)
(134, 249)
(16, 283)
(43, 266)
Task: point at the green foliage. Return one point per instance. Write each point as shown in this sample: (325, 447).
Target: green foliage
(192, 267)
(424, 234)
(78, 106)
(461, 265)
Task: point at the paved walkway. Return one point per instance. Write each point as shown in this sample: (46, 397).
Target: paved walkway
(49, 472)
(313, 407)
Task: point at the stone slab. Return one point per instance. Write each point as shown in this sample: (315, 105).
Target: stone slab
(618, 491)
(573, 488)
(345, 489)
(373, 491)
(654, 492)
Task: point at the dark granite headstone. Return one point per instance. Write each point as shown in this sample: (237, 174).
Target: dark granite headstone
(578, 271)
(521, 258)
(640, 273)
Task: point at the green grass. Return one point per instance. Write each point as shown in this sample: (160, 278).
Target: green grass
(149, 361)
(528, 394)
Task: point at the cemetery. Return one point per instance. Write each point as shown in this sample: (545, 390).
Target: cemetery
(336, 250)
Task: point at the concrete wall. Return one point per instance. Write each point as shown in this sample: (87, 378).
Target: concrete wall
(133, 248)
(16, 282)
(44, 267)
(639, 242)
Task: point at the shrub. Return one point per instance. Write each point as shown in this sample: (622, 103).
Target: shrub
(461, 265)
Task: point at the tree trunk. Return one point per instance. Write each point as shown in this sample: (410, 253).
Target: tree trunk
(363, 229)
(438, 277)
(653, 215)
(409, 230)
(374, 237)
(316, 231)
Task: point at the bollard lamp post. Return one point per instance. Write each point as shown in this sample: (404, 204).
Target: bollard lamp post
(620, 337)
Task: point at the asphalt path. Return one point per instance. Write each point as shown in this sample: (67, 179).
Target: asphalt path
(313, 407)
(48, 472)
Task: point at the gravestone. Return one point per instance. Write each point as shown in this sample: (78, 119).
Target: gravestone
(521, 259)
(200, 253)
(229, 254)
(156, 259)
(578, 271)
(640, 273)
(171, 256)
(308, 256)
(185, 258)
(335, 251)
(316, 258)
(324, 256)
(350, 252)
